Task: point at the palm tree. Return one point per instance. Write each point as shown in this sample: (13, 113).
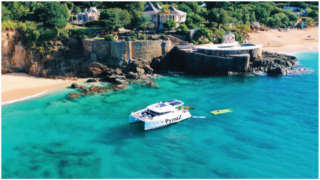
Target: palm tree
(310, 22)
(144, 21)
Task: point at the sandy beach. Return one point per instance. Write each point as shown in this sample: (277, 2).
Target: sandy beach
(294, 48)
(275, 38)
(16, 86)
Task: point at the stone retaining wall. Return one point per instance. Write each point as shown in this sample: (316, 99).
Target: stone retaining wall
(179, 60)
(124, 51)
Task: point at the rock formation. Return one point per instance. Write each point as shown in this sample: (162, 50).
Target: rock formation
(115, 62)
(273, 63)
(93, 90)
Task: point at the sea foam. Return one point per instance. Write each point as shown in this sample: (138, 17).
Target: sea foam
(23, 99)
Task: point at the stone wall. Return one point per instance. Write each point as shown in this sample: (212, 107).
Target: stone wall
(118, 53)
(146, 49)
(176, 40)
(182, 37)
(179, 60)
(191, 34)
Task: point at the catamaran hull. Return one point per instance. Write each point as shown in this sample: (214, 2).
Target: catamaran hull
(154, 124)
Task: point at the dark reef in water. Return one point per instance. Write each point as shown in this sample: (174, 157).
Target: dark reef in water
(53, 160)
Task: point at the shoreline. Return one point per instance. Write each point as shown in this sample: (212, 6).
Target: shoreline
(294, 48)
(17, 87)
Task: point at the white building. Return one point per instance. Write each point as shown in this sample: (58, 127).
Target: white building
(92, 14)
(154, 11)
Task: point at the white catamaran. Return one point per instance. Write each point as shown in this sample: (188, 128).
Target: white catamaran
(160, 114)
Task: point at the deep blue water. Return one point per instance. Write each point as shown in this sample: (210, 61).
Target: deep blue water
(271, 133)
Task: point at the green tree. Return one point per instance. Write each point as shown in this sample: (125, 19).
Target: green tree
(184, 8)
(135, 8)
(243, 29)
(217, 4)
(262, 12)
(300, 4)
(310, 22)
(245, 17)
(194, 6)
(194, 20)
(124, 16)
(169, 24)
(76, 10)
(204, 32)
(29, 5)
(143, 22)
(15, 10)
(109, 37)
(218, 15)
(183, 28)
(114, 18)
(70, 5)
(52, 14)
(56, 22)
(55, 31)
(313, 14)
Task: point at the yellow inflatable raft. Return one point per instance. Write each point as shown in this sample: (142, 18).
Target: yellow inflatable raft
(221, 111)
(188, 107)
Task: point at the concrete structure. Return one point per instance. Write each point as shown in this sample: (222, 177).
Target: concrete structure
(92, 14)
(230, 47)
(229, 38)
(154, 11)
(119, 53)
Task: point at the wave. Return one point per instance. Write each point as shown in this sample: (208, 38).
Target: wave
(23, 99)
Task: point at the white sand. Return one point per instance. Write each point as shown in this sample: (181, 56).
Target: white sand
(17, 86)
(271, 39)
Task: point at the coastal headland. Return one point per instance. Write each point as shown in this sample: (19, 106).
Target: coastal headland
(116, 62)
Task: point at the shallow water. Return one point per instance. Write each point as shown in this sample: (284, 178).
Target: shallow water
(271, 133)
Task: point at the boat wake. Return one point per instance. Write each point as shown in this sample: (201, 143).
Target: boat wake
(24, 98)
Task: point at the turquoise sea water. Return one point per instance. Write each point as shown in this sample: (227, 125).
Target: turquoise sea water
(271, 133)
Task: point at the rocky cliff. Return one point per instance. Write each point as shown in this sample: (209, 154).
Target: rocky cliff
(14, 56)
(117, 61)
(113, 61)
(17, 58)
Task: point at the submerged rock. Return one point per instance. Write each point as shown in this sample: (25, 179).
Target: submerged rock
(73, 95)
(133, 75)
(76, 167)
(74, 85)
(148, 83)
(121, 81)
(95, 89)
(53, 160)
(92, 80)
(277, 70)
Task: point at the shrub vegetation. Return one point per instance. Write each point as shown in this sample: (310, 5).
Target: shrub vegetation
(109, 37)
